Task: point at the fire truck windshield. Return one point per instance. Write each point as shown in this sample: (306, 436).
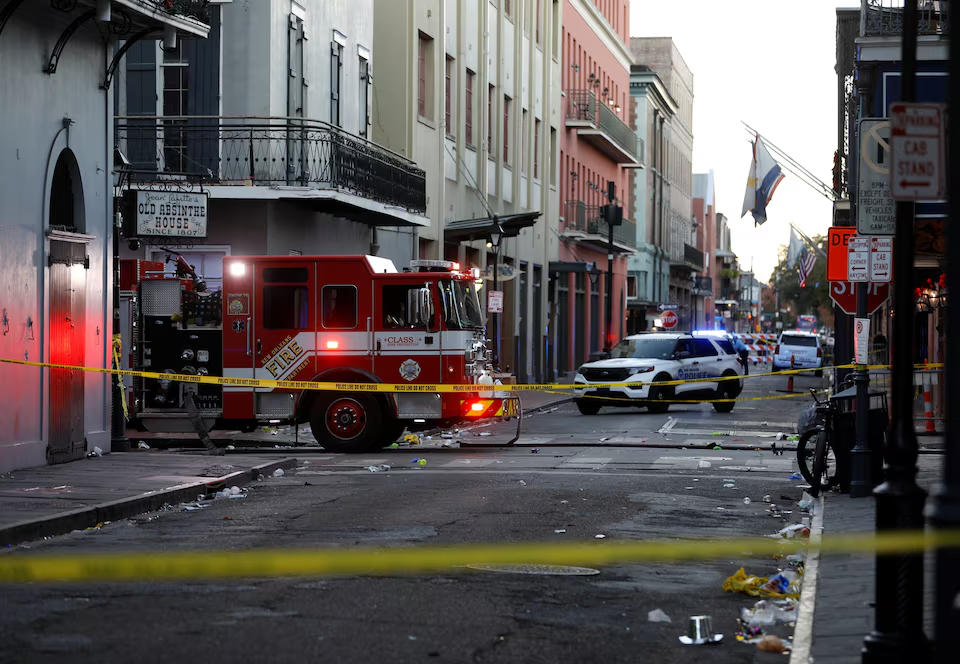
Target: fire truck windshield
(461, 307)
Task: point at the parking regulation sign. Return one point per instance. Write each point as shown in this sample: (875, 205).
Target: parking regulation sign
(917, 145)
(858, 259)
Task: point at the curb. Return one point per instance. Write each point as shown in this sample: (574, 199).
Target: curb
(552, 404)
(803, 632)
(124, 508)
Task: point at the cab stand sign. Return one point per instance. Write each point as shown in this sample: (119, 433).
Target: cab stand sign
(164, 214)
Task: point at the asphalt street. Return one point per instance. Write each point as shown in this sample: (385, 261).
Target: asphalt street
(569, 481)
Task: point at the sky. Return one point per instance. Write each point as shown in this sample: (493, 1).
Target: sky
(769, 63)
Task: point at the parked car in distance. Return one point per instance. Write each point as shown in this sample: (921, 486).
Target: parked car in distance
(803, 347)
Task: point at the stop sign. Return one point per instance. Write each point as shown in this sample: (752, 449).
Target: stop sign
(669, 320)
(844, 294)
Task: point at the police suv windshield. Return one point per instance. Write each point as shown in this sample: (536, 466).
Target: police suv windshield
(461, 307)
(642, 349)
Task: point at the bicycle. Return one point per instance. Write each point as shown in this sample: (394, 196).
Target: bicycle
(818, 460)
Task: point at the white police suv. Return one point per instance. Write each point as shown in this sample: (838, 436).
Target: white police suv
(803, 348)
(661, 356)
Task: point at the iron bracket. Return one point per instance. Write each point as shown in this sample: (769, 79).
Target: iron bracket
(64, 38)
(7, 12)
(122, 51)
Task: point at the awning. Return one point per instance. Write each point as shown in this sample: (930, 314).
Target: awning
(465, 230)
(572, 266)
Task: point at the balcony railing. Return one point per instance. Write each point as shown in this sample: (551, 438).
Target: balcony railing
(885, 17)
(583, 218)
(583, 106)
(692, 257)
(198, 9)
(271, 152)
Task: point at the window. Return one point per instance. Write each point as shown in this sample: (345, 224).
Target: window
(273, 275)
(424, 105)
(506, 128)
(336, 76)
(398, 314)
(553, 151)
(704, 348)
(364, 96)
(490, 106)
(632, 286)
(536, 22)
(556, 29)
(524, 142)
(507, 9)
(175, 157)
(446, 113)
(285, 308)
(536, 149)
(727, 346)
(468, 129)
(339, 307)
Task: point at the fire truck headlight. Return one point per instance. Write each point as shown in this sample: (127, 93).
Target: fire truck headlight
(476, 407)
(238, 269)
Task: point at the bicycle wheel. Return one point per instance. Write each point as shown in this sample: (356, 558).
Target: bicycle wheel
(814, 459)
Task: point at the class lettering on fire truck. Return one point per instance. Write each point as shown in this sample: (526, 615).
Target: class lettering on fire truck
(331, 319)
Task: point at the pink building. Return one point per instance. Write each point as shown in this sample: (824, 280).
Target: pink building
(705, 217)
(597, 148)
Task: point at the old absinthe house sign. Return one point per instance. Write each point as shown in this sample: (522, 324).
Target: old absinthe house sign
(165, 213)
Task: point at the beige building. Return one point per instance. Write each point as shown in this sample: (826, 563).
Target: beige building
(680, 237)
(470, 91)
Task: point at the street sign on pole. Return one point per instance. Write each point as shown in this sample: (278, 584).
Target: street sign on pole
(881, 259)
(861, 340)
(668, 307)
(495, 302)
(875, 206)
(844, 295)
(917, 147)
(839, 236)
(669, 320)
(858, 259)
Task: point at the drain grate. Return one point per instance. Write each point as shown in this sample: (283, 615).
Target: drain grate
(534, 568)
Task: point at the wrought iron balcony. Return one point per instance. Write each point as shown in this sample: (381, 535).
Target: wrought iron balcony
(880, 18)
(692, 258)
(583, 223)
(597, 123)
(269, 152)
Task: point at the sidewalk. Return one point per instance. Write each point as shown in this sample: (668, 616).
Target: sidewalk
(843, 609)
(53, 500)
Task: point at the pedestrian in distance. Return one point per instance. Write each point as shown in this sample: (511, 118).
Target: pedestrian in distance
(741, 349)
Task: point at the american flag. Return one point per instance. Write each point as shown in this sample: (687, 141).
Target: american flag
(807, 260)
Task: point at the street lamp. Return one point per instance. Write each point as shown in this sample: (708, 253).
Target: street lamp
(496, 236)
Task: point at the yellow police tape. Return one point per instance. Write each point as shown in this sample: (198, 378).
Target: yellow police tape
(269, 563)
(417, 387)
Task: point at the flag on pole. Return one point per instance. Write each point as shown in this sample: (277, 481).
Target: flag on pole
(807, 260)
(794, 248)
(765, 174)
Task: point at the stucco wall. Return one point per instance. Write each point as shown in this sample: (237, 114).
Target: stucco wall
(34, 106)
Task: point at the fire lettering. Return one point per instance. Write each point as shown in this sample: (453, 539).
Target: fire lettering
(284, 358)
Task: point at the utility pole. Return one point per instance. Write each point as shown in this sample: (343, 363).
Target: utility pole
(898, 635)
(945, 507)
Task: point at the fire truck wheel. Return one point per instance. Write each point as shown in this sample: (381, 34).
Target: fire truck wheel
(351, 423)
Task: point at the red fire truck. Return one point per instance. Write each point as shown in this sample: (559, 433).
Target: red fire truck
(348, 319)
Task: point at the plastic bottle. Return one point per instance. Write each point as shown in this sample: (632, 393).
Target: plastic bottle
(485, 379)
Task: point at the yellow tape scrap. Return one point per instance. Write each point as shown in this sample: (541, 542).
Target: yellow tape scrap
(200, 565)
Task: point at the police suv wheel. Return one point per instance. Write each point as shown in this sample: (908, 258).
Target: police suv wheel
(658, 394)
(587, 408)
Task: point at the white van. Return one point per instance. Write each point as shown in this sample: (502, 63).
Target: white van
(803, 347)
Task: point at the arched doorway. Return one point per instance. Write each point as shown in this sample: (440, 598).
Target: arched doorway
(68, 265)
